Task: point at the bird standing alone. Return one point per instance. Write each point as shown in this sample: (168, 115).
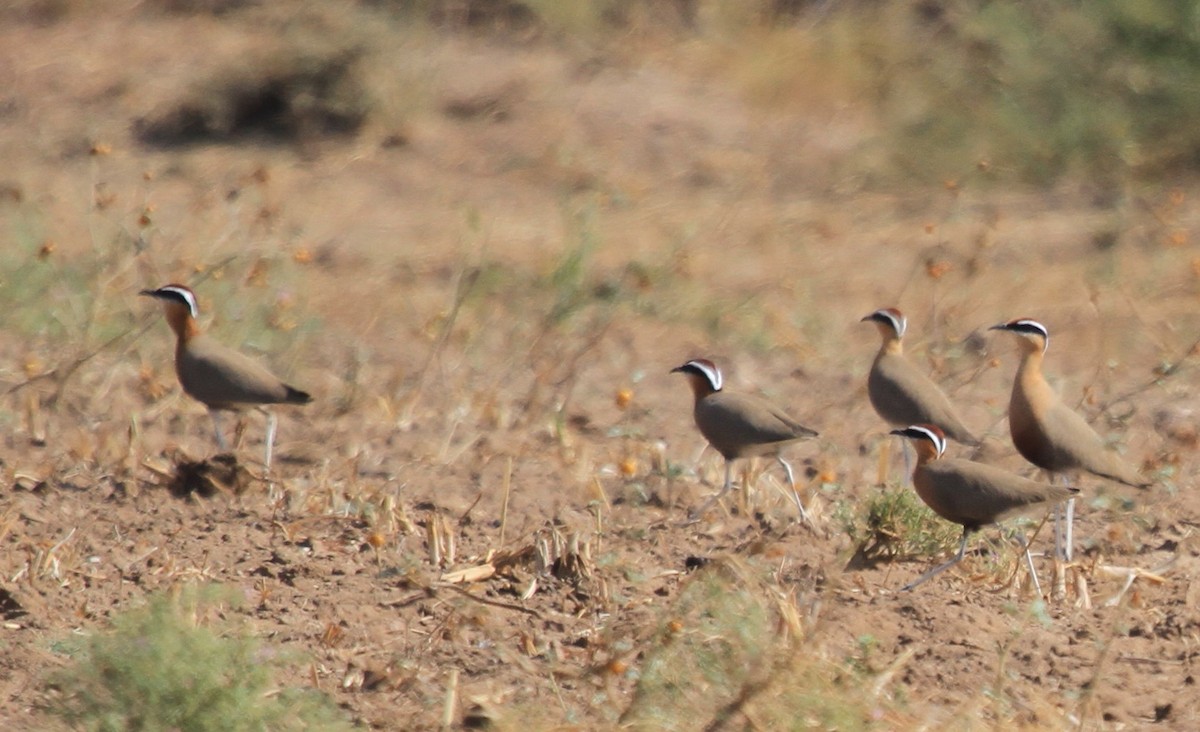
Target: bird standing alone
(218, 376)
(739, 425)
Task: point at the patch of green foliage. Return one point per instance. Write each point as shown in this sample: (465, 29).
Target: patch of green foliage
(161, 668)
(1035, 90)
(893, 523)
(46, 294)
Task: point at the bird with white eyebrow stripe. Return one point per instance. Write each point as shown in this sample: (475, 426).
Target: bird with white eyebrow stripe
(215, 375)
(1050, 434)
(739, 425)
(971, 494)
(900, 393)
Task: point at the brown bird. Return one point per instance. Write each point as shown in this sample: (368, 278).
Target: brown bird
(902, 394)
(217, 376)
(740, 425)
(1050, 434)
(971, 494)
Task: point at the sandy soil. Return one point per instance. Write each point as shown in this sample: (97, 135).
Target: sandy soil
(482, 400)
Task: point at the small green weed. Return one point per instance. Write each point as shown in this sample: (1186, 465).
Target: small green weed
(570, 279)
(161, 668)
(864, 653)
(895, 524)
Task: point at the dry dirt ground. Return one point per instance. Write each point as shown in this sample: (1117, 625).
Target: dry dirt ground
(484, 289)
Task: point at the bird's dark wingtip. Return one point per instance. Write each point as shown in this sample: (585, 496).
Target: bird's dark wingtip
(295, 396)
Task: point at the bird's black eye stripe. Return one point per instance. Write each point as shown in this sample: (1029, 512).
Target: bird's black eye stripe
(939, 442)
(181, 295)
(892, 317)
(1032, 327)
(708, 370)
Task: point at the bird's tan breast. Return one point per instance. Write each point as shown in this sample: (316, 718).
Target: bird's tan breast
(1054, 437)
(891, 390)
(1031, 421)
(902, 395)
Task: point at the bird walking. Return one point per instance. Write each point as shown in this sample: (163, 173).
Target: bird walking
(740, 425)
(971, 494)
(902, 394)
(217, 376)
(1050, 434)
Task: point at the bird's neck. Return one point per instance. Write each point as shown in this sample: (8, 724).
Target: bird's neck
(183, 324)
(1031, 392)
(891, 346)
(700, 387)
(926, 453)
(1029, 372)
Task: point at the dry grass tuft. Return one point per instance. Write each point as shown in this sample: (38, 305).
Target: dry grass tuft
(209, 477)
(294, 99)
(734, 649)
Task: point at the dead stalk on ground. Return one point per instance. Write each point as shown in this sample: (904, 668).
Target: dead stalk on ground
(506, 488)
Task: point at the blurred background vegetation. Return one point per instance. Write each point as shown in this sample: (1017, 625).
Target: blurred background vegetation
(1035, 90)
(1029, 91)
